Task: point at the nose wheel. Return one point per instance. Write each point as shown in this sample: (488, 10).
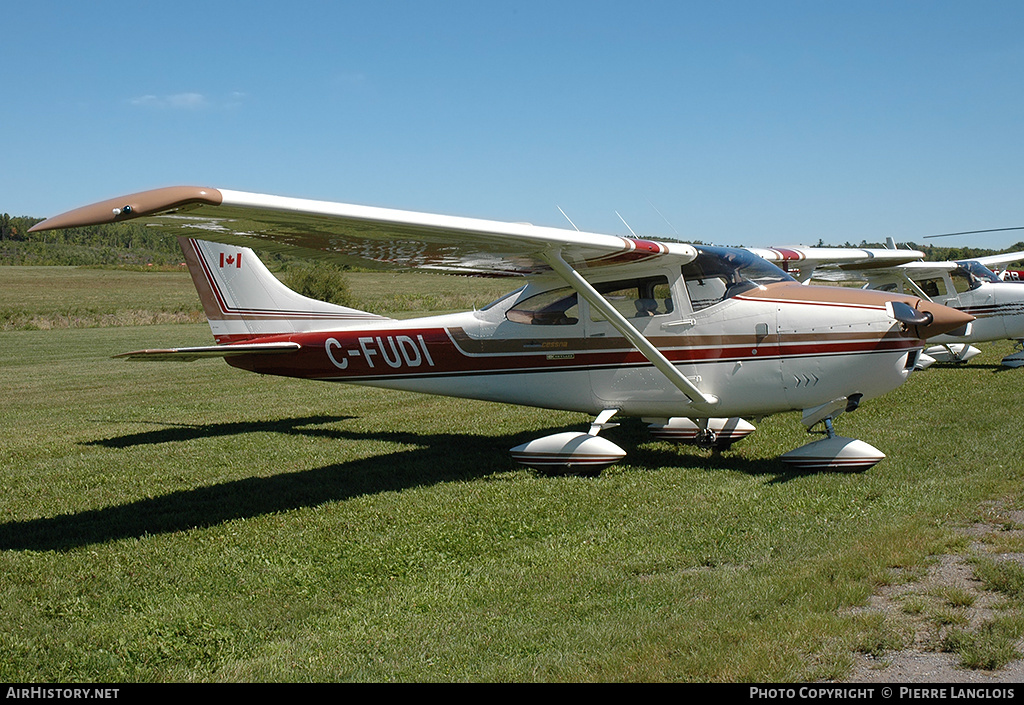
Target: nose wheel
(954, 353)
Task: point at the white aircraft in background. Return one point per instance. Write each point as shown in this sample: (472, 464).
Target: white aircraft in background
(967, 285)
(691, 339)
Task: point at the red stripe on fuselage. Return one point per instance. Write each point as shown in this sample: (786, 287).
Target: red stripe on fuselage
(376, 354)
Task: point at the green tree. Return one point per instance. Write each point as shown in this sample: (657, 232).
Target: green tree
(320, 280)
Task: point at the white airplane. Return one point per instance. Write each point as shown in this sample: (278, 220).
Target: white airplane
(691, 339)
(967, 285)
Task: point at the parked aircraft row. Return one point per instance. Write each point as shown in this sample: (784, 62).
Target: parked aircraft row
(692, 339)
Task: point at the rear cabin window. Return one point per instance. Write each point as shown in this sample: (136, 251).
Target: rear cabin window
(633, 298)
(557, 307)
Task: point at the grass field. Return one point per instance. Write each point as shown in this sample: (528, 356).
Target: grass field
(192, 522)
(44, 298)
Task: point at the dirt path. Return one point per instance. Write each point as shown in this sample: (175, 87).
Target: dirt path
(949, 596)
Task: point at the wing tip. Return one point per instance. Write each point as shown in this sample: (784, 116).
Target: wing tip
(134, 205)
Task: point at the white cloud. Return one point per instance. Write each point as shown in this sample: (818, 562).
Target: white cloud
(186, 101)
(145, 100)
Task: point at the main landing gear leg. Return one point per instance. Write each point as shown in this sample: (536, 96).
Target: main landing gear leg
(716, 433)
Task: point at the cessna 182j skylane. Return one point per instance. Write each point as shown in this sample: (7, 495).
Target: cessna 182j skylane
(691, 339)
(967, 285)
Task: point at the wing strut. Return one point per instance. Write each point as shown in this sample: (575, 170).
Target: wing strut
(623, 326)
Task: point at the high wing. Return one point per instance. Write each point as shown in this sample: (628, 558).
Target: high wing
(365, 236)
(847, 264)
(1005, 258)
(803, 262)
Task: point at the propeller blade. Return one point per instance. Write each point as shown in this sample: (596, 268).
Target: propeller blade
(908, 315)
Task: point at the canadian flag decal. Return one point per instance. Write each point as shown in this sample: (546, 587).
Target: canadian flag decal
(235, 259)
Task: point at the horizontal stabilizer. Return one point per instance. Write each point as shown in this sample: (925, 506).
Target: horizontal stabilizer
(190, 354)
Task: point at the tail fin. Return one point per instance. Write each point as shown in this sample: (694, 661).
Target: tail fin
(243, 299)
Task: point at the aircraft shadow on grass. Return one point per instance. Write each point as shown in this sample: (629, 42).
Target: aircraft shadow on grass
(433, 458)
(993, 367)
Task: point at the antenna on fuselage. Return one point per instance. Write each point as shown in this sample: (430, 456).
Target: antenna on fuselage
(663, 217)
(568, 218)
(635, 236)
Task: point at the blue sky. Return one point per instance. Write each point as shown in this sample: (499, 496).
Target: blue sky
(755, 123)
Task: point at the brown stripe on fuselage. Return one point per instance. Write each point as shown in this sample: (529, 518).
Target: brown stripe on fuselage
(505, 346)
(791, 292)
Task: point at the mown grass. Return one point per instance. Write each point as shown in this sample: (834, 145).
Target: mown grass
(44, 298)
(191, 522)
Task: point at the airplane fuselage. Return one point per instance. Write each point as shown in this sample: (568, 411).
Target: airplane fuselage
(770, 349)
(998, 310)
(998, 307)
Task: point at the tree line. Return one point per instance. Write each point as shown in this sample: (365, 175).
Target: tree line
(109, 244)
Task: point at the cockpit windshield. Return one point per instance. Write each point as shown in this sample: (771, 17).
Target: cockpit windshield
(719, 273)
(976, 273)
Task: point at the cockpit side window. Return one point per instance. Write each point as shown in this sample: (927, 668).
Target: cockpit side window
(719, 273)
(934, 286)
(557, 307)
(636, 298)
(963, 280)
